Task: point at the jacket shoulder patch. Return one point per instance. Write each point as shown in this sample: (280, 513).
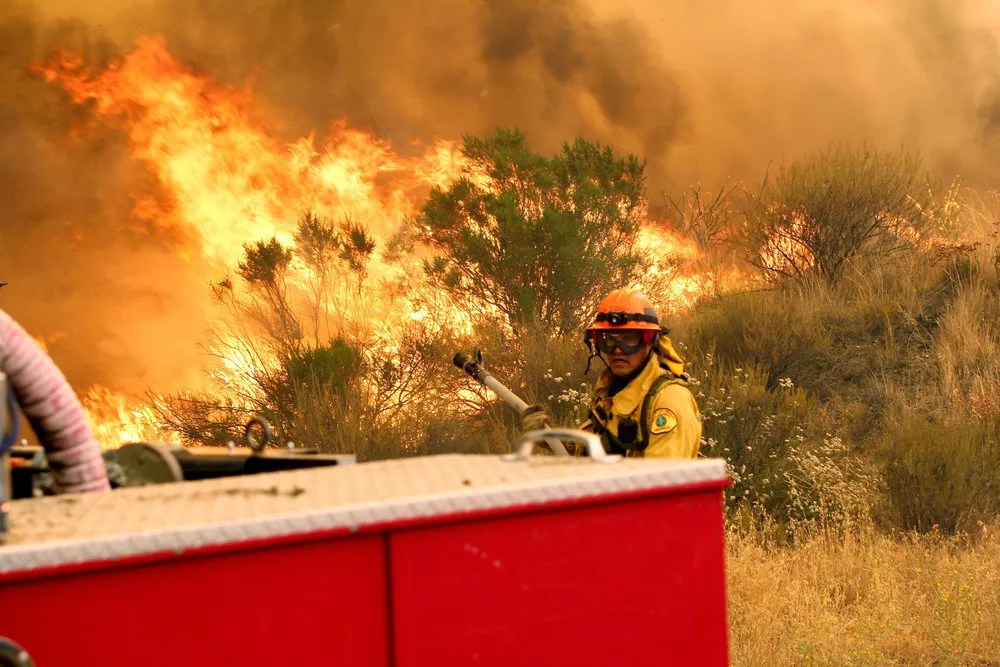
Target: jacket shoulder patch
(662, 421)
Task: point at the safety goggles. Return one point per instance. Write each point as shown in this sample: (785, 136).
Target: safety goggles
(628, 341)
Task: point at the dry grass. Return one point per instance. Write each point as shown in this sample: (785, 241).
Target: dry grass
(865, 599)
(968, 345)
(903, 356)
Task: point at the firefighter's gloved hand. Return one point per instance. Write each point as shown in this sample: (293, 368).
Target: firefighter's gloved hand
(534, 418)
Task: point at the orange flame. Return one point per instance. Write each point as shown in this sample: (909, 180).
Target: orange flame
(671, 281)
(117, 420)
(228, 182)
(231, 182)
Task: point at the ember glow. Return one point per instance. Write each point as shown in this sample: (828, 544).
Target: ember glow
(226, 181)
(669, 280)
(117, 419)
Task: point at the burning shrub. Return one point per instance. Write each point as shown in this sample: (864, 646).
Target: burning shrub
(264, 269)
(298, 349)
(536, 239)
(820, 213)
(706, 218)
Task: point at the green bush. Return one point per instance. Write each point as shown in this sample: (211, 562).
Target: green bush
(941, 471)
(541, 240)
(333, 366)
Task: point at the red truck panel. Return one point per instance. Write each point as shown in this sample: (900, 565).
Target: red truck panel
(313, 603)
(636, 582)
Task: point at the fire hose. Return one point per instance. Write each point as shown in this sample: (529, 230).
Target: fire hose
(475, 369)
(53, 410)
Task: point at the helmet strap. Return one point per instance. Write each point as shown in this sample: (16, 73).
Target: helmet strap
(594, 352)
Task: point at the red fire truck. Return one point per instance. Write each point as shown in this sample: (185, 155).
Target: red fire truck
(524, 559)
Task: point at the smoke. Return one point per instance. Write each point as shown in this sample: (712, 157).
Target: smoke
(411, 69)
(112, 301)
(772, 80)
(703, 91)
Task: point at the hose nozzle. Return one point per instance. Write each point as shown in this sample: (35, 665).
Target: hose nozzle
(471, 365)
(461, 359)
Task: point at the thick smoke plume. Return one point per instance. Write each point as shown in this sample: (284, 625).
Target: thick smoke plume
(111, 300)
(703, 91)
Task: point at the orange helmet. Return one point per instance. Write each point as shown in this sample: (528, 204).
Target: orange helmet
(626, 309)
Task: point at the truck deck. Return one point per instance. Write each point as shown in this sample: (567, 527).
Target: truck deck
(60, 530)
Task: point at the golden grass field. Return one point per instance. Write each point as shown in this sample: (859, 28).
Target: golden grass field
(866, 599)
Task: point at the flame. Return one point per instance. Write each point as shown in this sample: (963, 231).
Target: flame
(227, 181)
(671, 279)
(230, 181)
(117, 419)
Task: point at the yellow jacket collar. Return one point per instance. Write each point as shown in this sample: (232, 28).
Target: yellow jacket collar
(670, 356)
(627, 400)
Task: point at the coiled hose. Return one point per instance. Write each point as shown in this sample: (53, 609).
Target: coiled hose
(53, 410)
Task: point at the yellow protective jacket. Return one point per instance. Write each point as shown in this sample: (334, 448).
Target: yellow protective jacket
(667, 423)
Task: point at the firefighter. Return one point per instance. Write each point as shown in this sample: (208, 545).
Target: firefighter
(641, 404)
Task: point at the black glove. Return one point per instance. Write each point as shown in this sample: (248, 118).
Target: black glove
(534, 418)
